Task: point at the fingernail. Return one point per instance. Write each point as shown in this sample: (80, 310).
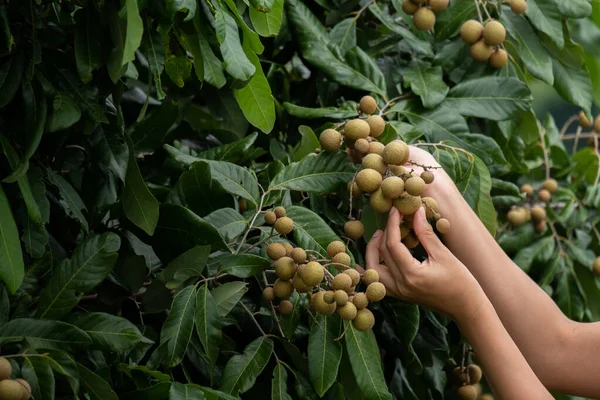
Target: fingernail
(422, 211)
(392, 210)
(377, 233)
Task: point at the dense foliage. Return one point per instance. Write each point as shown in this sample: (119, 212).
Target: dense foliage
(143, 138)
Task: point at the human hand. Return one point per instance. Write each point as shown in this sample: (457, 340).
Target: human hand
(442, 282)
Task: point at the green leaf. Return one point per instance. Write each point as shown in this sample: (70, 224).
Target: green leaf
(449, 21)
(228, 295)
(236, 180)
(191, 263)
(139, 205)
(126, 30)
(242, 370)
(243, 265)
(110, 331)
(184, 6)
(320, 173)
(208, 67)
(35, 238)
(178, 68)
(343, 34)
(491, 98)
(10, 77)
(267, 23)
(291, 321)
(573, 85)
(546, 16)
(91, 263)
(406, 319)
(311, 232)
(65, 113)
(149, 134)
(63, 364)
(250, 37)
(69, 198)
(96, 387)
(527, 255)
(307, 145)
(568, 297)
(88, 49)
(12, 268)
(236, 62)
(315, 113)
(229, 222)
(279, 389)
(208, 323)
(234, 152)
(363, 353)
(575, 8)
(111, 151)
(86, 101)
(324, 352)
(179, 391)
(43, 334)
(38, 373)
(427, 82)
(178, 327)
(203, 194)
(418, 45)
(154, 48)
(367, 66)
(255, 99)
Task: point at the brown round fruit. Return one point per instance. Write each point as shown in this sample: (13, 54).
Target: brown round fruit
(328, 297)
(499, 58)
(475, 374)
(335, 247)
(407, 204)
(370, 276)
(321, 306)
(398, 170)
(348, 311)
(275, 251)
(431, 206)
(467, 392)
(374, 162)
(584, 120)
(368, 105)
(26, 386)
(424, 19)
(340, 297)
(518, 6)
(379, 202)
(268, 294)
(427, 177)
(396, 153)
(354, 189)
(298, 255)
(544, 195)
(471, 31)
(404, 230)
(517, 216)
(284, 225)
(480, 51)
(527, 189)
(360, 300)
(494, 33)
(597, 124)
(11, 390)
(375, 291)
(364, 320)
(486, 396)
(354, 229)
(270, 218)
(541, 226)
(362, 145)
(279, 212)
(341, 282)
(5, 368)
(331, 140)
(550, 185)
(376, 148)
(341, 260)
(312, 274)
(285, 268)
(354, 275)
(392, 187)
(288, 248)
(415, 186)
(356, 129)
(283, 289)
(368, 180)
(438, 5)
(286, 307)
(596, 266)
(409, 7)
(538, 213)
(377, 125)
(443, 226)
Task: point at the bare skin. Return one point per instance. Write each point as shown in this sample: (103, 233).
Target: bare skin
(563, 354)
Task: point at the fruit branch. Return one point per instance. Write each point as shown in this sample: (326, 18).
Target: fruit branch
(572, 136)
(598, 157)
(251, 224)
(478, 10)
(567, 125)
(544, 151)
(561, 250)
(266, 282)
(425, 167)
(391, 102)
(577, 137)
(253, 319)
(24, 355)
(359, 12)
(261, 241)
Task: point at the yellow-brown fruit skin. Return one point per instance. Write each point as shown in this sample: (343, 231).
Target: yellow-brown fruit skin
(283, 289)
(415, 186)
(356, 129)
(348, 311)
(375, 291)
(5, 368)
(471, 31)
(438, 5)
(11, 390)
(335, 247)
(341, 282)
(443, 226)
(286, 307)
(284, 225)
(379, 202)
(360, 300)
(596, 266)
(299, 284)
(285, 268)
(370, 276)
(26, 386)
(376, 148)
(544, 195)
(431, 206)
(288, 248)
(499, 58)
(540, 226)
(374, 162)
(480, 51)
(340, 297)
(424, 19)
(584, 121)
(312, 274)
(275, 251)
(396, 153)
(321, 307)
(518, 6)
(411, 241)
(398, 170)
(527, 189)
(364, 320)
(268, 294)
(404, 230)
(467, 392)
(494, 33)
(516, 217)
(427, 177)
(409, 7)
(392, 187)
(354, 229)
(377, 125)
(270, 218)
(279, 212)
(475, 374)
(362, 145)
(331, 140)
(486, 396)
(538, 213)
(368, 105)
(368, 180)
(329, 297)
(550, 185)
(407, 204)
(354, 276)
(298, 255)
(597, 124)
(341, 260)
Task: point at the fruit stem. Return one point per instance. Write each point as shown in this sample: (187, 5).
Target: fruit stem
(486, 11)
(542, 132)
(346, 326)
(266, 282)
(25, 355)
(253, 318)
(260, 242)
(425, 167)
(567, 124)
(576, 142)
(251, 224)
(478, 11)
(392, 102)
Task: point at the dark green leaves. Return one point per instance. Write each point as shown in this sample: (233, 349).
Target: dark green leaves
(38, 373)
(88, 49)
(267, 23)
(43, 334)
(179, 391)
(546, 17)
(228, 295)
(126, 29)
(183, 6)
(208, 323)
(324, 352)
(65, 113)
(242, 370)
(311, 232)
(427, 82)
(202, 193)
(177, 330)
(12, 269)
(70, 199)
(236, 62)
(96, 387)
(279, 390)
(154, 49)
(243, 265)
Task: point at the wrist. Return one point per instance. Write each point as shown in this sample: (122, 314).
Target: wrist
(474, 308)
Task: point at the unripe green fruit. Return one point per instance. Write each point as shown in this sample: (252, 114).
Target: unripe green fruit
(584, 121)
(279, 212)
(312, 274)
(321, 306)
(11, 390)
(377, 125)
(596, 266)
(364, 320)
(538, 213)
(376, 148)
(356, 129)
(527, 189)
(475, 374)
(286, 307)
(284, 225)
(362, 145)
(368, 180)
(392, 187)
(275, 251)
(375, 291)
(431, 206)
(518, 6)
(354, 276)
(517, 217)
(480, 51)
(379, 202)
(348, 311)
(341, 260)
(443, 226)
(438, 5)
(550, 185)
(370, 276)
(409, 7)
(354, 229)
(270, 218)
(329, 297)
(330, 139)
(360, 300)
(471, 31)
(396, 153)
(368, 105)
(336, 247)
(298, 255)
(424, 19)
(544, 195)
(411, 241)
(283, 289)
(407, 204)
(5, 368)
(340, 297)
(285, 268)
(375, 162)
(427, 177)
(437, 216)
(494, 33)
(268, 294)
(341, 282)
(499, 58)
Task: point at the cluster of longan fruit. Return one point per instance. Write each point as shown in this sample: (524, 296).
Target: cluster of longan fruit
(17, 389)
(486, 41)
(467, 379)
(279, 221)
(520, 215)
(423, 11)
(297, 271)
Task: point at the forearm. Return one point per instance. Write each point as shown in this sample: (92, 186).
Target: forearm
(505, 367)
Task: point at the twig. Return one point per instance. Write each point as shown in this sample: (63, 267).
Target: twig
(577, 136)
(266, 282)
(567, 124)
(486, 11)
(24, 355)
(137, 305)
(253, 319)
(478, 11)
(598, 156)
(561, 249)
(258, 210)
(359, 12)
(572, 136)
(346, 326)
(545, 151)
(260, 242)
(391, 102)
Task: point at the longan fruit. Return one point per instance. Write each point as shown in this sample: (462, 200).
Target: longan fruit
(415, 186)
(279, 211)
(275, 251)
(584, 121)
(442, 225)
(597, 124)
(518, 6)
(424, 19)
(331, 140)
(379, 202)
(368, 180)
(375, 162)
(312, 274)
(321, 306)
(407, 204)
(550, 185)
(438, 5)
(283, 288)
(494, 33)
(411, 241)
(11, 390)
(467, 392)
(362, 145)
(341, 282)
(354, 189)
(396, 153)
(544, 195)
(243, 205)
(375, 291)
(360, 300)
(340, 297)
(409, 7)
(288, 248)
(286, 307)
(284, 225)
(540, 226)
(270, 218)
(475, 374)
(335, 247)
(285, 268)
(329, 296)
(471, 31)
(427, 177)
(354, 229)
(367, 105)
(499, 58)
(431, 206)
(527, 189)
(299, 284)
(377, 125)
(596, 266)
(356, 129)
(538, 213)
(370, 276)
(398, 170)
(376, 148)
(298, 255)
(341, 258)
(392, 187)
(480, 51)
(268, 294)
(516, 217)
(364, 320)
(5, 368)
(486, 396)
(404, 230)
(348, 311)
(26, 386)
(354, 275)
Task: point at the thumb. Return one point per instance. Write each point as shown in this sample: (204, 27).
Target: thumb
(424, 231)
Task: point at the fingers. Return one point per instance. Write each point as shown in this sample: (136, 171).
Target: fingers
(424, 231)
(394, 245)
(372, 253)
(422, 157)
